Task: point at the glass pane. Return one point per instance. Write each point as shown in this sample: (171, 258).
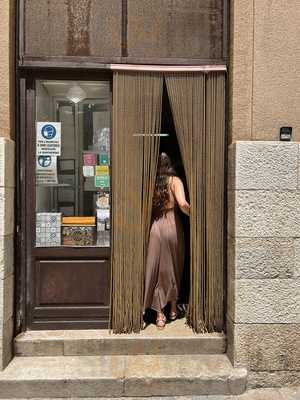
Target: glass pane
(73, 163)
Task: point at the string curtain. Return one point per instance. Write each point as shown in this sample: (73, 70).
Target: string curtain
(137, 106)
(198, 106)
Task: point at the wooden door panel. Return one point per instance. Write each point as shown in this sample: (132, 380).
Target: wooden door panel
(72, 282)
(71, 293)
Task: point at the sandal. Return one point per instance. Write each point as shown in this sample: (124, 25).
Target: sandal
(161, 322)
(172, 316)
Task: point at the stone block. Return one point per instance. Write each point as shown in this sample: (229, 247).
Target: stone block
(267, 301)
(6, 298)
(267, 347)
(297, 257)
(6, 342)
(39, 348)
(263, 213)
(180, 375)
(290, 393)
(7, 163)
(259, 258)
(260, 165)
(6, 211)
(274, 379)
(6, 256)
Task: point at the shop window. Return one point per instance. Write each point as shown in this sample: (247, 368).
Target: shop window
(73, 121)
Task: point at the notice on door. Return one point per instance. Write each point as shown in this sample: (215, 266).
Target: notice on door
(46, 170)
(48, 138)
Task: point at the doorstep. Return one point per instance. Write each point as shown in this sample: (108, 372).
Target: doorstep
(121, 376)
(175, 339)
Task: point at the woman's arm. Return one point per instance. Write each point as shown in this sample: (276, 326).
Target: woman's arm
(178, 191)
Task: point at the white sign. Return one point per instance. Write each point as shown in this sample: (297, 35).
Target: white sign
(46, 170)
(48, 138)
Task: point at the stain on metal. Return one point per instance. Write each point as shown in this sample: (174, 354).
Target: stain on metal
(48, 8)
(79, 16)
(215, 28)
(124, 28)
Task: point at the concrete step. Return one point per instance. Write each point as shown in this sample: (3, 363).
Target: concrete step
(121, 376)
(176, 338)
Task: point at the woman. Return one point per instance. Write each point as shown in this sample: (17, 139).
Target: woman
(165, 258)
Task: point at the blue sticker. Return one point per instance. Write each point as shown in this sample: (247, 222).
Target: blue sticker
(44, 161)
(49, 132)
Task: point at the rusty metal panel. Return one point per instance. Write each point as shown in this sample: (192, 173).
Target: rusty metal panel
(188, 29)
(73, 28)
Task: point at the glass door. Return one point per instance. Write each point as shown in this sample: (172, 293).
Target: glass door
(68, 177)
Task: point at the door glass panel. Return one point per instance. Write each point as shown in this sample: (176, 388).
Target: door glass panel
(73, 163)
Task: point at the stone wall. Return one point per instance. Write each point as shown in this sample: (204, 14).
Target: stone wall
(264, 59)
(264, 261)
(6, 249)
(7, 157)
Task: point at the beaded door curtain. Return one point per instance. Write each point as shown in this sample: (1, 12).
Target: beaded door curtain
(198, 106)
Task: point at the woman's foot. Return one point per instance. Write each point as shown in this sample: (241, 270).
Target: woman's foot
(161, 321)
(173, 315)
(173, 312)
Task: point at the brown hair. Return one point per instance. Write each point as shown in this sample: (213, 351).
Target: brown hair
(161, 195)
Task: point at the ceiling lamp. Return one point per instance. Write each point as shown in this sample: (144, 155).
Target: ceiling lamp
(76, 94)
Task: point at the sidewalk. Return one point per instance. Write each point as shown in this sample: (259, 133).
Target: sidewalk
(291, 393)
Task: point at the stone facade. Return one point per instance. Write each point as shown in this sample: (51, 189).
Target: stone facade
(264, 60)
(263, 310)
(7, 178)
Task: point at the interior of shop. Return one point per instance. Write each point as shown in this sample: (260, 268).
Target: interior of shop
(75, 183)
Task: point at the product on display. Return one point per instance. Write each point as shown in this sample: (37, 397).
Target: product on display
(101, 139)
(79, 220)
(78, 235)
(101, 170)
(79, 231)
(103, 227)
(103, 159)
(48, 229)
(88, 171)
(102, 200)
(89, 159)
(102, 181)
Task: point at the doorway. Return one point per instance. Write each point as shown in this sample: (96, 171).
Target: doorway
(169, 144)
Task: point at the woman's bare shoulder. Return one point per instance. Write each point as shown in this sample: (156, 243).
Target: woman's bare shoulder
(176, 180)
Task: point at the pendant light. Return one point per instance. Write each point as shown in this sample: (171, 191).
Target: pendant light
(76, 94)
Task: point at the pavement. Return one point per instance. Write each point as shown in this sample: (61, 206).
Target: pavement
(287, 393)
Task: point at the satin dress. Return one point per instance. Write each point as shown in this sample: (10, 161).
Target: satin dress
(165, 259)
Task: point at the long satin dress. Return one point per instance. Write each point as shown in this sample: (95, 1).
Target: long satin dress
(165, 259)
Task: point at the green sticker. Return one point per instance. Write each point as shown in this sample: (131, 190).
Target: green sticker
(102, 181)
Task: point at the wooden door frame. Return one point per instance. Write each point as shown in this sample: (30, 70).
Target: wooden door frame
(25, 194)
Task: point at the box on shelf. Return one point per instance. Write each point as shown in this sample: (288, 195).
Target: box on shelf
(79, 220)
(79, 231)
(48, 229)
